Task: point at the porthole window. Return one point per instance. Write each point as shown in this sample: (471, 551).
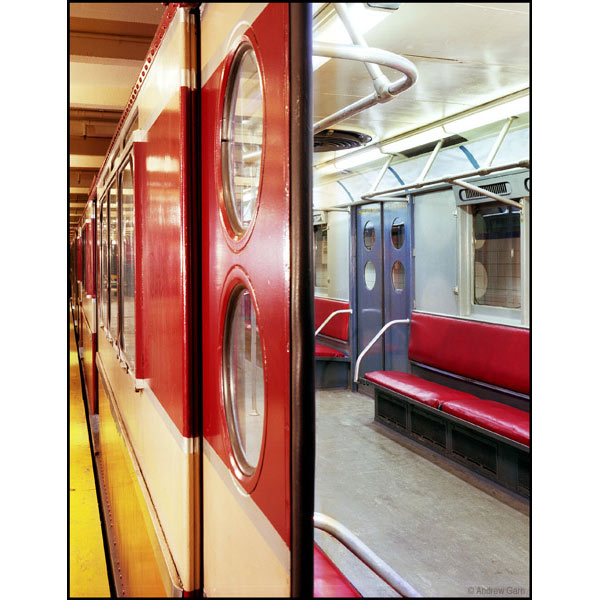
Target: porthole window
(398, 276)
(243, 378)
(242, 139)
(369, 235)
(370, 275)
(397, 233)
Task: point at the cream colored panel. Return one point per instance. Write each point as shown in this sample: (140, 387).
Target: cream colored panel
(83, 161)
(165, 75)
(218, 22)
(244, 556)
(166, 460)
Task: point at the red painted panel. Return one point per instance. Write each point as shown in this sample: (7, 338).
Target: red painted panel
(164, 256)
(329, 580)
(495, 354)
(263, 256)
(338, 326)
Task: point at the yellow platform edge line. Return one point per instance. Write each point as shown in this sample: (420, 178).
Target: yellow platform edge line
(88, 577)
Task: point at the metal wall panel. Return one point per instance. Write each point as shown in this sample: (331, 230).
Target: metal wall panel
(436, 247)
(397, 302)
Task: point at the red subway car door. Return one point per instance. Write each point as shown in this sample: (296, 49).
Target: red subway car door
(257, 390)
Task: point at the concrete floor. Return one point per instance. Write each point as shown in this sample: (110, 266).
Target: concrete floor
(446, 531)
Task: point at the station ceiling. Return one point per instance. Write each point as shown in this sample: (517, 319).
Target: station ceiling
(108, 42)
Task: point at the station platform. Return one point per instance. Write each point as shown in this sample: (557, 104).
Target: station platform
(88, 577)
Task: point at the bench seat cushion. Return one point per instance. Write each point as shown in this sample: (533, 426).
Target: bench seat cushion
(426, 392)
(326, 352)
(329, 582)
(494, 416)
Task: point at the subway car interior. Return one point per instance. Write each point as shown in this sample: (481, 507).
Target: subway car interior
(300, 294)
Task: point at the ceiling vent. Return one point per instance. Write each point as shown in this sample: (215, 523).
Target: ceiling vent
(330, 140)
(500, 189)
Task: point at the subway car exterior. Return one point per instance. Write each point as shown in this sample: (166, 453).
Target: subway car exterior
(214, 243)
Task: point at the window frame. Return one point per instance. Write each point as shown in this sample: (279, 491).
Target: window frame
(466, 276)
(103, 316)
(113, 338)
(127, 160)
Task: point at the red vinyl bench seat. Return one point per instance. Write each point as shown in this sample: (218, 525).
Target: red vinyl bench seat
(421, 390)
(500, 418)
(329, 582)
(494, 354)
(322, 351)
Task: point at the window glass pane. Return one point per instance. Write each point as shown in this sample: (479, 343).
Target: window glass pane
(370, 275)
(397, 233)
(245, 400)
(127, 280)
(113, 261)
(83, 258)
(369, 235)
(243, 152)
(398, 276)
(104, 263)
(320, 241)
(497, 242)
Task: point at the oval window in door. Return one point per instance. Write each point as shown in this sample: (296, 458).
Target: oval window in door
(242, 139)
(243, 378)
(370, 275)
(398, 276)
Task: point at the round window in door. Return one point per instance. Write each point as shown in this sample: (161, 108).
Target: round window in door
(243, 379)
(242, 139)
(397, 233)
(370, 275)
(398, 276)
(369, 235)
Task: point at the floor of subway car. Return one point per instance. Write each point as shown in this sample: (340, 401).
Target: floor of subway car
(446, 531)
(87, 562)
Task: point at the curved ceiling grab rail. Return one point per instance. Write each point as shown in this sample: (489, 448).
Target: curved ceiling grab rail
(373, 58)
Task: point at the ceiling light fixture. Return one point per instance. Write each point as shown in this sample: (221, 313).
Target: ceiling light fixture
(491, 115)
(425, 137)
(358, 158)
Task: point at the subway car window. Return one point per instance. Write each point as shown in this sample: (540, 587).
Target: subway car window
(244, 381)
(497, 255)
(83, 258)
(320, 250)
(127, 280)
(243, 147)
(104, 262)
(113, 261)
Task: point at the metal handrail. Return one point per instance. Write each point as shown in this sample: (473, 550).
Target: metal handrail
(372, 57)
(336, 312)
(380, 196)
(370, 344)
(364, 554)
